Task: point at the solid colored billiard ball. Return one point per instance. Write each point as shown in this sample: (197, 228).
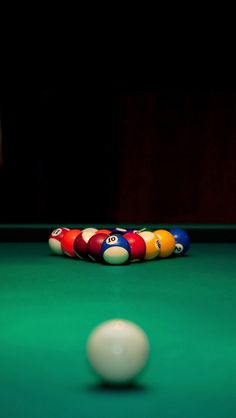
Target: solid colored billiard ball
(137, 246)
(167, 242)
(55, 238)
(118, 351)
(94, 246)
(182, 240)
(152, 245)
(81, 242)
(115, 250)
(67, 242)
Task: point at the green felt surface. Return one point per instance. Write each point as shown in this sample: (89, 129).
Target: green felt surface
(50, 304)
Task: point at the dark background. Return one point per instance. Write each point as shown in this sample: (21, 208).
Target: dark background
(118, 154)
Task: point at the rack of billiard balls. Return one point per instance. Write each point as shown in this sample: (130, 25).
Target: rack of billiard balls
(119, 245)
(118, 349)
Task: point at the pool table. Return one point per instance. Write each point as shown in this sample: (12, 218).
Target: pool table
(50, 304)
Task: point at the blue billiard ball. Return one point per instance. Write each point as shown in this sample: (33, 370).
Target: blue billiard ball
(115, 249)
(182, 240)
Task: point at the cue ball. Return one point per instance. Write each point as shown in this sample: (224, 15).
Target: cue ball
(55, 238)
(118, 350)
(182, 240)
(115, 250)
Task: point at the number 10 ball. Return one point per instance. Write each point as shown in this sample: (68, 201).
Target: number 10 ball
(115, 250)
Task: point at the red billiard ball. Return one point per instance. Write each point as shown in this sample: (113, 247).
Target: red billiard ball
(95, 245)
(104, 231)
(137, 246)
(81, 242)
(67, 242)
(55, 238)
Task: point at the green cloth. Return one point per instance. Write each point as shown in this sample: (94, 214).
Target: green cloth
(49, 305)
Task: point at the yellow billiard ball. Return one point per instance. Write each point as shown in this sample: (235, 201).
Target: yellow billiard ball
(167, 242)
(152, 244)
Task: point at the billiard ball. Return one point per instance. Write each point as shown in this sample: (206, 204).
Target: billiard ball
(118, 351)
(67, 242)
(122, 231)
(167, 242)
(104, 231)
(182, 240)
(55, 238)
(119, 231)
(81, 242)
(115, 250)
(137, 246)
(152, 245)
(94, 246)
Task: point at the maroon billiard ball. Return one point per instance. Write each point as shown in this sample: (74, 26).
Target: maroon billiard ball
(81, 242)
(94, 246)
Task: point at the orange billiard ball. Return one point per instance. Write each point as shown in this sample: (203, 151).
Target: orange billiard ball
(67, 242)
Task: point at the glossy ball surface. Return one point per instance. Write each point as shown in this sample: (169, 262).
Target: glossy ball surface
(167, 242)
(67, 242)
(94, 246)
(118, 351)
(55, 239)
(81, 242)
(137, 246)
(115, 250)
(152, 245)
(182, 240)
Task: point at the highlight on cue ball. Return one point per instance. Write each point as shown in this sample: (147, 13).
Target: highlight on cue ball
(118, 351)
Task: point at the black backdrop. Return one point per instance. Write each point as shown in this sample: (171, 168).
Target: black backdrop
(112, 154)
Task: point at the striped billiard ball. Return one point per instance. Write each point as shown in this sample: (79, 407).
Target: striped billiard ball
(152, 245)
(115, 250)
(55, 238)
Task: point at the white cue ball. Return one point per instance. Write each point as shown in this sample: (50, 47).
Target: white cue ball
(118, 351)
